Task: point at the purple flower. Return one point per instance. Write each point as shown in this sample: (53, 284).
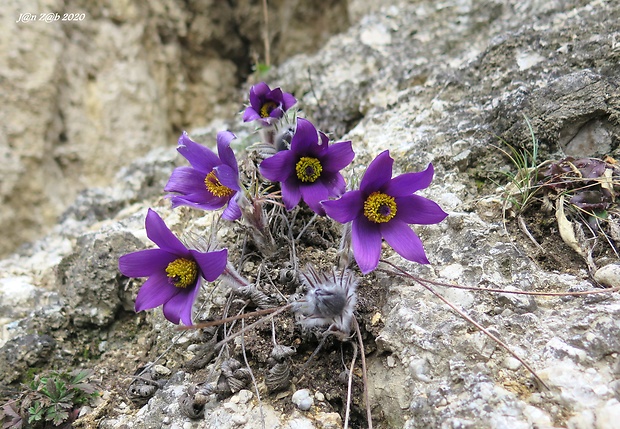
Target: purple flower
(383, 207)
(174, 272)
(310, 169)
(267, 105)
(211, 181)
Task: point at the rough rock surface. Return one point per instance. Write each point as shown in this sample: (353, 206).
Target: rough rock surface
(432, 82)
(80, 98)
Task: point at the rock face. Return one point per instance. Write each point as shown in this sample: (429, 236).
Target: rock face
(79, 98)
(431, 82)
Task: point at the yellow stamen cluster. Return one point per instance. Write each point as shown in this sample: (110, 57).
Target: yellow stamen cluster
(266, 109)
(308, 169)
(215, 187)
(379, 207)
(182, 272)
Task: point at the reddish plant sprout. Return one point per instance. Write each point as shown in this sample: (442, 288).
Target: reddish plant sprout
(589, 182)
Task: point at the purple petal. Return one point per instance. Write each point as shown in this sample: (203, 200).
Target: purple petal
(290, 193)
(346, 208)
(158, 233)
(144, 263)
(419, 210)
(402, 239)
(179, 307)
(200, 157)
(276, 113)
(313, 194)
(334, 182)
(211, 264)
(305, 140)
(337, 156)
(186, 180)
(288, 100)
(408, 183)
(224, 150)
(275, 95)
(227, 177)
(278, 167)
(257, 94)
(232, 211)
(203, 201)
(155, 291)
(366, 241)
(378, 173)
(186, 312)
(250, 114)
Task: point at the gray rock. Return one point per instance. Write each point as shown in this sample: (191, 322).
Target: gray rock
(89, 280)
(609, 275)
(303, 399)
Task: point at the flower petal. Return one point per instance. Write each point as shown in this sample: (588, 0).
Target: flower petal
(186, 312)
(211, 264)
(337, 156)
(179, 307)
(203, 201)
(186, 180)
(257, 94)
(278, 167)
(288, 100)
(346, 208)
(156, 291)
(334, 182)
(200, 157)
(305, 140)
(408, 183)
(227, 177)
(250, 114)
(144, 263)
(158, 233)
(419, 210)
(232, 211)
(290, 193)
(313, 194)
(224, 150)
(366, 241)
(275, 95)
(402, 239)
(275, 114)
(378, 173)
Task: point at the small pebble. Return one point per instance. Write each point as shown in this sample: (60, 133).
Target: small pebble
(303, 399)
(609, 275)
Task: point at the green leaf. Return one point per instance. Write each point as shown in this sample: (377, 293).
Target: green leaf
(35, 412)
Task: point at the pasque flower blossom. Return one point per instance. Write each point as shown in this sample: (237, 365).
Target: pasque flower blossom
(267, 105)
(174, 272)
(211, 182)
(384, 207)
(310, 169)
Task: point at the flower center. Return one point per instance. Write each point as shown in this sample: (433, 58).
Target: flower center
(266, 109)
(182, 272)
(215, 187)
(308, 169)
(379, 207)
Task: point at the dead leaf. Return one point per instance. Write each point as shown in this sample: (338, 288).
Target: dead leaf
(567, 232)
